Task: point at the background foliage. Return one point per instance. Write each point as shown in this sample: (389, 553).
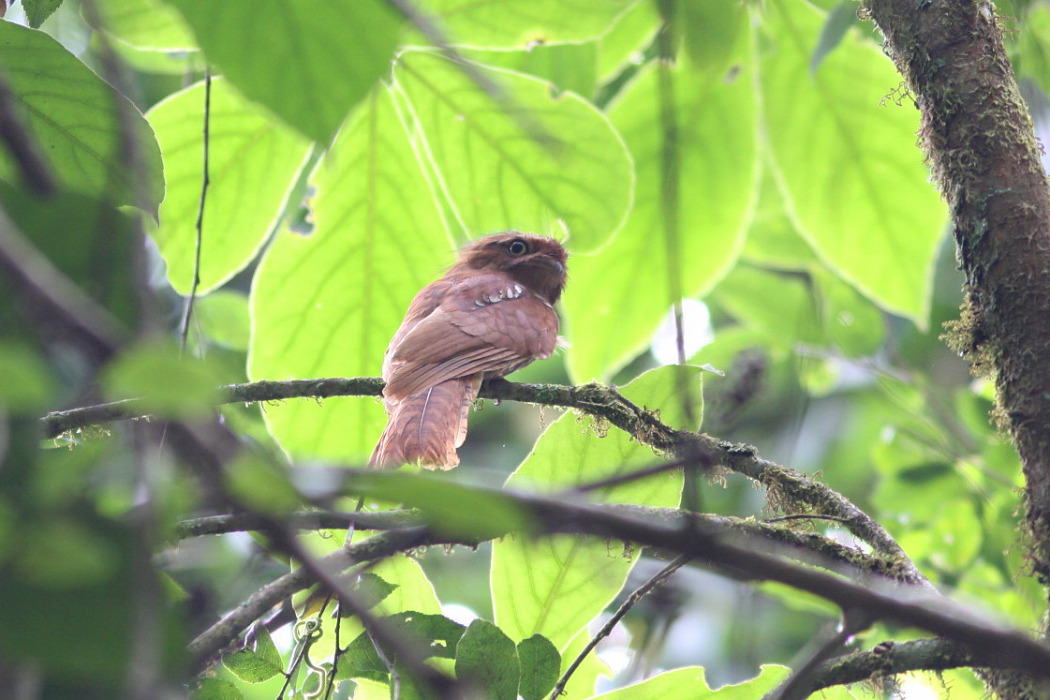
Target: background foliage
(348, 156)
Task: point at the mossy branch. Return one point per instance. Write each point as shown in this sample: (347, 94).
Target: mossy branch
(789, 490)
(735, 548)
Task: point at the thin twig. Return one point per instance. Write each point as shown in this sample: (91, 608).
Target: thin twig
(639, 593)
(336, 655)
(631, 476)
(187, 312)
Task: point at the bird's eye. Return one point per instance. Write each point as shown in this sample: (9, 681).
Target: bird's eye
(517, 247)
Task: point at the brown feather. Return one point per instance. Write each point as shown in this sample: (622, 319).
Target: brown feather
(490, 315)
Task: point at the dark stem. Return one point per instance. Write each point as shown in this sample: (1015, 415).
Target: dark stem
(639, 593)
(187, 312)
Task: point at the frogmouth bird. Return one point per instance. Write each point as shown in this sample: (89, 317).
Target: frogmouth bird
(491, 314)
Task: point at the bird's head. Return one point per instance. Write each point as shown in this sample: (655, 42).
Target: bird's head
(537, 262)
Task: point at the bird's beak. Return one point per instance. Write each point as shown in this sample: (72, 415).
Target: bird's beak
(554, 264)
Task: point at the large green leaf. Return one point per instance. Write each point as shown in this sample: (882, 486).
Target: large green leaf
(518, 23)
(845, 155)
(253, 162)
(540, 666)
(77, 122)
(310, 61)
(146, 24)
(327, 304)
(71, 229)
(486, 656)
(619, 296)
(522, 159)
(555, 586)
(690, 682)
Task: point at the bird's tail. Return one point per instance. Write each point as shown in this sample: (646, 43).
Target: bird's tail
(426, 428)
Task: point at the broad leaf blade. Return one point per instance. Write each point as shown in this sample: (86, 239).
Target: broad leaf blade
(554, 586)
(691, 682)
(540, 664)
(146, 24)
(253, 162)
(620, 295)
(77, 121)
(327, 304)
(309, 61)
(845, 157)
(522, 159)
(488, 657)
(519, 23)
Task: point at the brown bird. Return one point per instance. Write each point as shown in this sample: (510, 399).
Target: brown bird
(491, 314)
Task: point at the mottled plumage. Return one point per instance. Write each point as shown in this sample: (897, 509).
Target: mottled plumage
(492, 313)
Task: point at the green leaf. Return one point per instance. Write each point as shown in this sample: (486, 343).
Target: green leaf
(711, 30)
(846, 160)
(623, 43)
(265, 648)
(167, 383)
(851, 322)
(223, 318)
(691, 682)
(251, 159)
(452, 509)
(1033, 46)
(554, 586)
(327, 304)
(370, 590)
(540, 666)
(70, 587)
(146, 24)
(78, 122)
(28, 385)
(61, 554)
(780, 306)
(772, 239)
(71, 229)
(567, 66)
(39, 10)
(523, 159)
(258, 665)
(262, 484)
(413, 592)
(488, 657)
(520, 23)
(308, 61)
(432, 635)
(614, 303)
(216, 689)
(838, 22)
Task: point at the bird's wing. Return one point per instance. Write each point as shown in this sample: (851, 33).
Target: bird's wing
(486, 323)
